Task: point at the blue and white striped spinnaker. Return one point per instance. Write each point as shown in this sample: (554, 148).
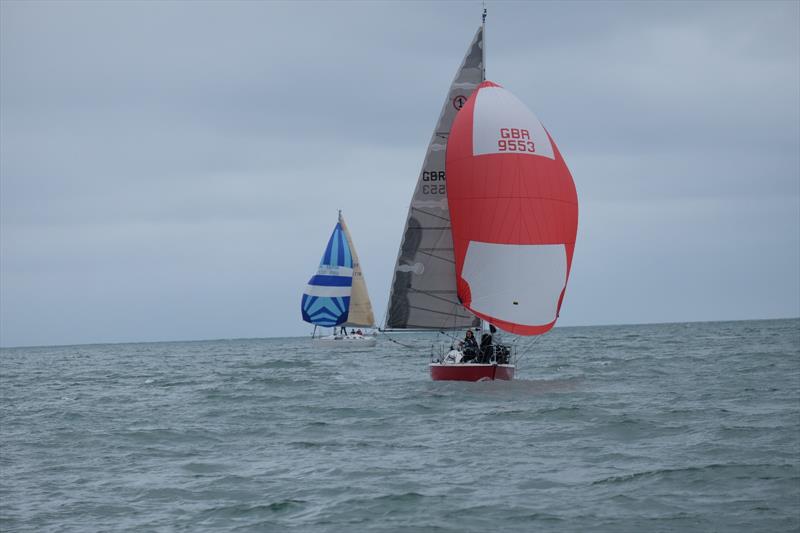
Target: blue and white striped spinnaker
(326, 300)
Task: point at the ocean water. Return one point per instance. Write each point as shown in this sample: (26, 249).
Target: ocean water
(676, 427)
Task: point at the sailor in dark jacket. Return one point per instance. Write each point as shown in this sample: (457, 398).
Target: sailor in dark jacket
(469, 347)
(487, 350)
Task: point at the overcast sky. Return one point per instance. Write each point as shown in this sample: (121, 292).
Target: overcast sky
(173, 170)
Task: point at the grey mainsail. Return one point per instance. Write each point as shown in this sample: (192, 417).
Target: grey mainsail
(423, 291)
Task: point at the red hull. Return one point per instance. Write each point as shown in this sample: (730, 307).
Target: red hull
(471, 372)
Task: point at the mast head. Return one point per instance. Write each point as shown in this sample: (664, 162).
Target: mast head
(483, 18)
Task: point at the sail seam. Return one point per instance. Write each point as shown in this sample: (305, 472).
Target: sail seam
(436, 256)
(429, 213)
(438, 312)
(514, 197)
(451, 302)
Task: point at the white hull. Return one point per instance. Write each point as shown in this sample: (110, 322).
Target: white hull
(350, 341)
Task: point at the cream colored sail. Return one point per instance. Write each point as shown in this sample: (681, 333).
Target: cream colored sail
(360, 307)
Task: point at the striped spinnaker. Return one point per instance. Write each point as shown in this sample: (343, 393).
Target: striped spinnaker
(326, 299)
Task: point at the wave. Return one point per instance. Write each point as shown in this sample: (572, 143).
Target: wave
(647, 474)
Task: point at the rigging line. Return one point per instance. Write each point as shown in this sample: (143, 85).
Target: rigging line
(450, 335)
(435, 312)
(429, 213)
(408, 346)
(436, 256)
(452, 315)
(442, 291)
(431, 295)
(426, 329)
(526, 350)
(526, 346)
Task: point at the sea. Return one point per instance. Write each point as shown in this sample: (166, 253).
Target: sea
(645, 428)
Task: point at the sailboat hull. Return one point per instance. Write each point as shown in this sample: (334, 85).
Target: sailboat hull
(349, 342)
(471, 372)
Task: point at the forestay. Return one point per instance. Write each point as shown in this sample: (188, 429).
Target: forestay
(423, 291)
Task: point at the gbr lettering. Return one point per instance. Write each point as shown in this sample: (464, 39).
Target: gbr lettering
(515, 140)
(434, 176)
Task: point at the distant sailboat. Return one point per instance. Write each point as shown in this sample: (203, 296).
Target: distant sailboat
(491, 227)
(336, 296)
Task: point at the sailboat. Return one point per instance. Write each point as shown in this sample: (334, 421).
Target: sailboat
(336, 296)
(490, 231)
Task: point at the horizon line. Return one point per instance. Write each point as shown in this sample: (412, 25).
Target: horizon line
(395, 331)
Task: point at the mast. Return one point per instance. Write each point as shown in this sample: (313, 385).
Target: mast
(483, 44)
(483, 78)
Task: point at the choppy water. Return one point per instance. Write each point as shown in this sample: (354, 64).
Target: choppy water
(680, 427)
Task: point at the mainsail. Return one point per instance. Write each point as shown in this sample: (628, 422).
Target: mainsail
(423, 291)
(360, 307)
(326, 299)
(514, 213)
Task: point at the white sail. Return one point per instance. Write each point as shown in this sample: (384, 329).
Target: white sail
(423, 291)
(360, 314)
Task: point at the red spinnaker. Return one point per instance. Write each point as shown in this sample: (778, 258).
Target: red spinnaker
(514, 213)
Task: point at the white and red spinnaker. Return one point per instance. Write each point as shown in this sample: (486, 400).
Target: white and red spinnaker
(513, 210)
